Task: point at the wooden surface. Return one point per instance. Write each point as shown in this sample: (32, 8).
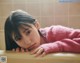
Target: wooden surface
(13, 57)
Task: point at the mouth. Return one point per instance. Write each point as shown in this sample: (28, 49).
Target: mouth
(31, 47)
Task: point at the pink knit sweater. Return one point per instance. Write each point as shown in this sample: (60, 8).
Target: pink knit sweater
(61, 39)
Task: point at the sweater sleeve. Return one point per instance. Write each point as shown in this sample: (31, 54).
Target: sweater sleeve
(66, 40)
(65, 45)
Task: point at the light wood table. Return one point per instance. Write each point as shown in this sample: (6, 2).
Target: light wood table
(13, 57)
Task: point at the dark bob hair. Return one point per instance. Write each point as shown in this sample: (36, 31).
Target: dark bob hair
(15, 19)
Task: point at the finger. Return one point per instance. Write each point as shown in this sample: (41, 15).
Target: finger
(26, 50)
(43, 54)
(39, 52)
(22, 50)
(17, 50)
(13, 50)
(34, 51)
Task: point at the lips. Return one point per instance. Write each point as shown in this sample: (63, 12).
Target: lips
(31, 47)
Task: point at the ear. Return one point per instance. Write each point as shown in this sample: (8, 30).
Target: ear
(37, 25)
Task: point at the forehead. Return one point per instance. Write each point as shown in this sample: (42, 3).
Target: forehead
(22, 28)
(25, 26)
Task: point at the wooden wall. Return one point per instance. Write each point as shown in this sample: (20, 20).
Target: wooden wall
(47, 12)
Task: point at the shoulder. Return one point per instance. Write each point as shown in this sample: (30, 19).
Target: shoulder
(51, 29)
(54, 27)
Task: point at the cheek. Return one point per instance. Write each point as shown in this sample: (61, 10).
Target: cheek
(35, 37)
(20, 43)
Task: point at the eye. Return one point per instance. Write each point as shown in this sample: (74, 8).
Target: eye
(28, 32)
(17, 38)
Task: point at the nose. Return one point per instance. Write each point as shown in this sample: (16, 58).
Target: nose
(26, 41)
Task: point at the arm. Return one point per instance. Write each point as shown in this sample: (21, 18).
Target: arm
(67, 40)
(66, 45)
(62, 39)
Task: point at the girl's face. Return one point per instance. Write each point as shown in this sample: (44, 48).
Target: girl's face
(30, 36)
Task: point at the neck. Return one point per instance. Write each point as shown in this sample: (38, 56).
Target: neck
(42, 41)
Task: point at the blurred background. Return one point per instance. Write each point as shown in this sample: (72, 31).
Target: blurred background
(47, 12)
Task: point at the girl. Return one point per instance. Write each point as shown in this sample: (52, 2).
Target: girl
(23, 32)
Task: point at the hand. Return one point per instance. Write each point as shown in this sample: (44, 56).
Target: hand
(20, 50)
(38, 52)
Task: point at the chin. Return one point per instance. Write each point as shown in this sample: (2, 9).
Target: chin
(37, 45)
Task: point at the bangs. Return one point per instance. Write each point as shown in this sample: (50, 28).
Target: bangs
(16, 32)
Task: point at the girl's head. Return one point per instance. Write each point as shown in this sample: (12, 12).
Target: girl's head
(21, 30)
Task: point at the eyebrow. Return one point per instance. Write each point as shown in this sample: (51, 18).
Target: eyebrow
(25, 29)
(25, 25)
